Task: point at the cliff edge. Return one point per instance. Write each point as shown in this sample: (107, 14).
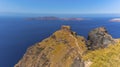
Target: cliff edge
(64, 48)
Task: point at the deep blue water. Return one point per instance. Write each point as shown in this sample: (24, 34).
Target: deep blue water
(17, 34)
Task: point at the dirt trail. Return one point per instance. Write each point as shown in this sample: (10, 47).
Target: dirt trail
(76, 43)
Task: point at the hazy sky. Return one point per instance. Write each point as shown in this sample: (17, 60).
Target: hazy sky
(61, 6)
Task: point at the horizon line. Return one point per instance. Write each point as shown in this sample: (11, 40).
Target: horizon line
(54, 13)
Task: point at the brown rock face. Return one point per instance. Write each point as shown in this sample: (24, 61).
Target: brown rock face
(67, 28)
(99, 38)
(62, 49)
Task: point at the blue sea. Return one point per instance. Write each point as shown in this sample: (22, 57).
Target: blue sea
(17, 34)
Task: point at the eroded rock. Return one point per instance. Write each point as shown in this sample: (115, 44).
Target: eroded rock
(99, 38)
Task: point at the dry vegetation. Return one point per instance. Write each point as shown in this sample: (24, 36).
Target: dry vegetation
(59, 50)
(107, 57)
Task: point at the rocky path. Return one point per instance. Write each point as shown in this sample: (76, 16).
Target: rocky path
(76, 43)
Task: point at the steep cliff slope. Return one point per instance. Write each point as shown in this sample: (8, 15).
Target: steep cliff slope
(62, 49)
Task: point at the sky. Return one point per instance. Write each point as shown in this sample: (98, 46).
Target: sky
(60, 6)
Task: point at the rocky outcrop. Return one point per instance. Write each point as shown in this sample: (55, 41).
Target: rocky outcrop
(99, 38)
(64, 48)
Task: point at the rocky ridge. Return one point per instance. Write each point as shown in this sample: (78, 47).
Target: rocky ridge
(64, 45)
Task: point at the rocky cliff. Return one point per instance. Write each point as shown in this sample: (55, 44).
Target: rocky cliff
(64, 48)
(99, 38)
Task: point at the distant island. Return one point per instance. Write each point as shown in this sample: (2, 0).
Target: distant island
(115, 20)
(56, 18)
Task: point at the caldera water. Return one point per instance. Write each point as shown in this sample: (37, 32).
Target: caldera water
(17, 34)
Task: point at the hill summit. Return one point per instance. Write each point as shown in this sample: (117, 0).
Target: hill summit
(64, 48)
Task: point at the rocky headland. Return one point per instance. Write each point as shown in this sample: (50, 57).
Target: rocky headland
(65, 48)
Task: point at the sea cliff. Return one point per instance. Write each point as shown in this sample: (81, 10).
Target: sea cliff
(64, 48)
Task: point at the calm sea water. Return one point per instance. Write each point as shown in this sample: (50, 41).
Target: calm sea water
(17, 34)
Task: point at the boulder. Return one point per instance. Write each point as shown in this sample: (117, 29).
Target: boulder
(99, 38)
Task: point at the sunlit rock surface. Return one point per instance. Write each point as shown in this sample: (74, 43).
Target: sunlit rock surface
(99, 38)
(64, 48)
